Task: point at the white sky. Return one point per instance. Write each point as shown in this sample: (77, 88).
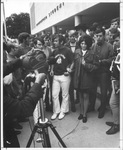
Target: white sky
(16, 6)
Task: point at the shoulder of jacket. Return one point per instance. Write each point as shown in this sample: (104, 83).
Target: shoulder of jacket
(67, 48)
(91, 51)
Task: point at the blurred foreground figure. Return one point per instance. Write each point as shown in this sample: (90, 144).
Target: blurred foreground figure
(18, 108)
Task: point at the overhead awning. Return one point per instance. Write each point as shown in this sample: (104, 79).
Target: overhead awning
(101, 13)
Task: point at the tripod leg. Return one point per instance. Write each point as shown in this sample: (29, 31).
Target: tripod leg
(46, 138)
(57, 135)
(32, 136)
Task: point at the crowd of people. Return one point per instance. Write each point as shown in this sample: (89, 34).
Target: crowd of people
(73, 66)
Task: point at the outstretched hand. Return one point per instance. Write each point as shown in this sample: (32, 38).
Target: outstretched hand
(23, 56)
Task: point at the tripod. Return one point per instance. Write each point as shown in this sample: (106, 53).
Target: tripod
(43, 124)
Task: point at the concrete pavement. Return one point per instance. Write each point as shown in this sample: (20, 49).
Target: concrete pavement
(74, 132)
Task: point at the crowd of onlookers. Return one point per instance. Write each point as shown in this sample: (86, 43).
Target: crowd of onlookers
(82, 61)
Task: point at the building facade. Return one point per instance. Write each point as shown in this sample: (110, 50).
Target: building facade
(51, 17)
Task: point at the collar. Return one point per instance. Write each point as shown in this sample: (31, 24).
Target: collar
(72, 44)
(84, 52)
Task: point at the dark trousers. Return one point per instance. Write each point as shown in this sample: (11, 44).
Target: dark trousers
(10, 138)
(104, 84)
(92, 97)
(71, 92)
(48, 97)
(101, 79)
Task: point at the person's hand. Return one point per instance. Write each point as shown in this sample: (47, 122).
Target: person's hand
(8, 79)
(51, 72)
(83, 61)
(66, 73)
(118, 91)
(40, 78)
(69, 70)
(23, 56)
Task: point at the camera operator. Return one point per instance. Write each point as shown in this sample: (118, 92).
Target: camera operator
(15, 108)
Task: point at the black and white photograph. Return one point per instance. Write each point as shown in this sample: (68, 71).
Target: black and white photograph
(61, 74)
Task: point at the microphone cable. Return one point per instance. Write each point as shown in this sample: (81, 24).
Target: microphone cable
(69, 132)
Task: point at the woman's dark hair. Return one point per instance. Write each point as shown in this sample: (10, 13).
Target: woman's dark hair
(87, 39)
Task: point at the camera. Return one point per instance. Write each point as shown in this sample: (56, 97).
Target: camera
(36, 61)
(30, 78)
